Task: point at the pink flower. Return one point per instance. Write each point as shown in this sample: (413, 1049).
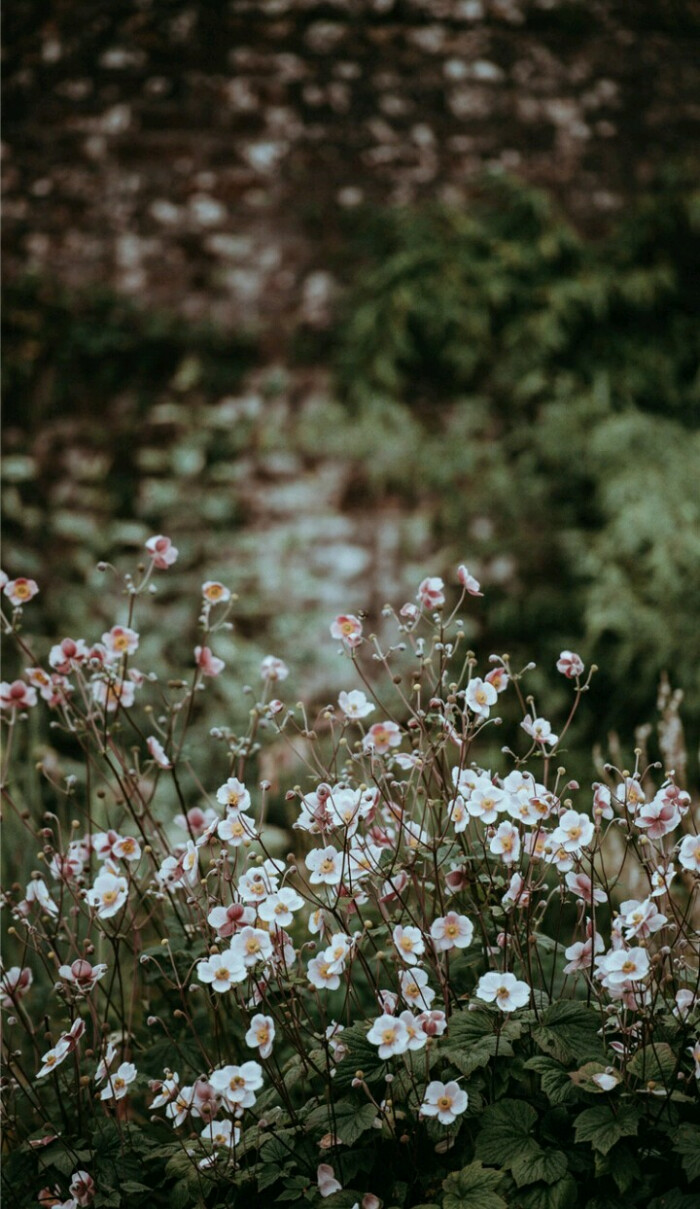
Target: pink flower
(582, 887)
(570, 665)
(14, 985)
(468, 582)
(17, 695)
(162, 551)
(82, 1187)
(381, 737)
(327, 1183)
(68, 654)
(659, 817)
(499, 678)
(430, 593)
(120, 640)
(348, 629)
(20, 591)
(208, 662)
(81, 975)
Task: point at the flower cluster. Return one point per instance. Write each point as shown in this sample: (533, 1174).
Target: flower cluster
(416, 904)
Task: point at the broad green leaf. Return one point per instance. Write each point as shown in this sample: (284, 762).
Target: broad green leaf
(474, 1187)
(555, 1081)
(361, 1056)
(561, 1195)
(348, 1119)
(505, 1133)
(569, 1032)
(603, 1128)
(546, 1165)
(655, 1063)
(675, 1199)
(688, 1147)
(478, 1055)
(621, 1164)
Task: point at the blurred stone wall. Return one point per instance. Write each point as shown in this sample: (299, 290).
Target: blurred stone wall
(197, 155)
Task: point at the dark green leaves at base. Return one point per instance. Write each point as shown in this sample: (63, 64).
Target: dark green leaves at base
(474, 1187)
(603, 1128)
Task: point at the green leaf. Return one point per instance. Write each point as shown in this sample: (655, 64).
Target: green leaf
(474, 1187)
(561, 1195)
(603, 1128)
(476, 1056)
(554, 1080)
(674, 1199)
(655, 1063)
(546, 1165)
(361, 1055)
(621, 1164)
(688, 1147)
(569, 1032)
(504, 1136)
(348, 1119)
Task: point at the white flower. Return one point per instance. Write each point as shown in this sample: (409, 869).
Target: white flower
(485, 801)
(233, 795)
(505, 990)
(574, 832)
(157, 752)
(273, 669)
(451, 931)
(326, 865)
(390, 1034)
(277, 908)
(641, 918)
(108, 894)
(606, 1080)
(414, 988)
(222, 970)
(221, 1133)
(409, 942)
(417, 1037)
(480, 696)
(118, 1083)
(53, 1058)
(37, 891)
(506, 843)
(251, 945)
(445, 1101)
(238, 1084)
(623, 965)
(323, 974)
(339, 946)
(355, 704)
(261, 1034)
(689, 853)
(540, 730)
(236, 829)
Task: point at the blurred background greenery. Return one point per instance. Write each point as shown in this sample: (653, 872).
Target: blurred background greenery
(280, 285)
(494, 388)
